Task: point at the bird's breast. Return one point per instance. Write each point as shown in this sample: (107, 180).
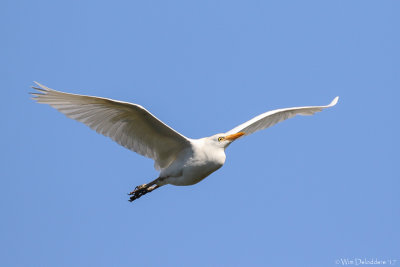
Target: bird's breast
(197, 165)
(202, 164)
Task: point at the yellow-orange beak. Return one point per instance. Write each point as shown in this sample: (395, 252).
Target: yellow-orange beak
(233, 137)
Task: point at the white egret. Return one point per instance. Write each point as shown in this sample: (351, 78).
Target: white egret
(180, 160)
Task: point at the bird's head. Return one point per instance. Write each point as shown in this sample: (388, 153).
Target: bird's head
(224, 140)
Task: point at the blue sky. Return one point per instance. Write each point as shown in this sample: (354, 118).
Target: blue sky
(305, 192)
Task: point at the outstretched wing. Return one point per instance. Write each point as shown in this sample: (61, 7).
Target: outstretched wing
(272, 117)
(130, 125)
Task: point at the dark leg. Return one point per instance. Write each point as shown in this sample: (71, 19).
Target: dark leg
(143, 190)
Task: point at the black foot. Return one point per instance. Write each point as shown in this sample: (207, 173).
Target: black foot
(141, 190)
(138, 192)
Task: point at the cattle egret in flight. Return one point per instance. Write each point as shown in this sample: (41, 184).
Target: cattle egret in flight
(180, 160)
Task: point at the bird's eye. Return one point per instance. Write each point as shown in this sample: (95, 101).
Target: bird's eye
(220, 139)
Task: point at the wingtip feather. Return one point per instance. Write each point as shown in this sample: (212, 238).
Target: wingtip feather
(39, 89)
(42, 87)
(334, 102)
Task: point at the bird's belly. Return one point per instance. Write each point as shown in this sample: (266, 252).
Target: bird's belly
(194, 173)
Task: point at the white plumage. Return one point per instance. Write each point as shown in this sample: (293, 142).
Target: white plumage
(180, 160)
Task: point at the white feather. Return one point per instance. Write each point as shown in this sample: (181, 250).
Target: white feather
(272, 117)
(130, 125)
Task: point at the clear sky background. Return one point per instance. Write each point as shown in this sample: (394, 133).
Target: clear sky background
(305, 192)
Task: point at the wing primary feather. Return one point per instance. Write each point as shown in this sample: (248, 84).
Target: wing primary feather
(130, 125)
(273, 117)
